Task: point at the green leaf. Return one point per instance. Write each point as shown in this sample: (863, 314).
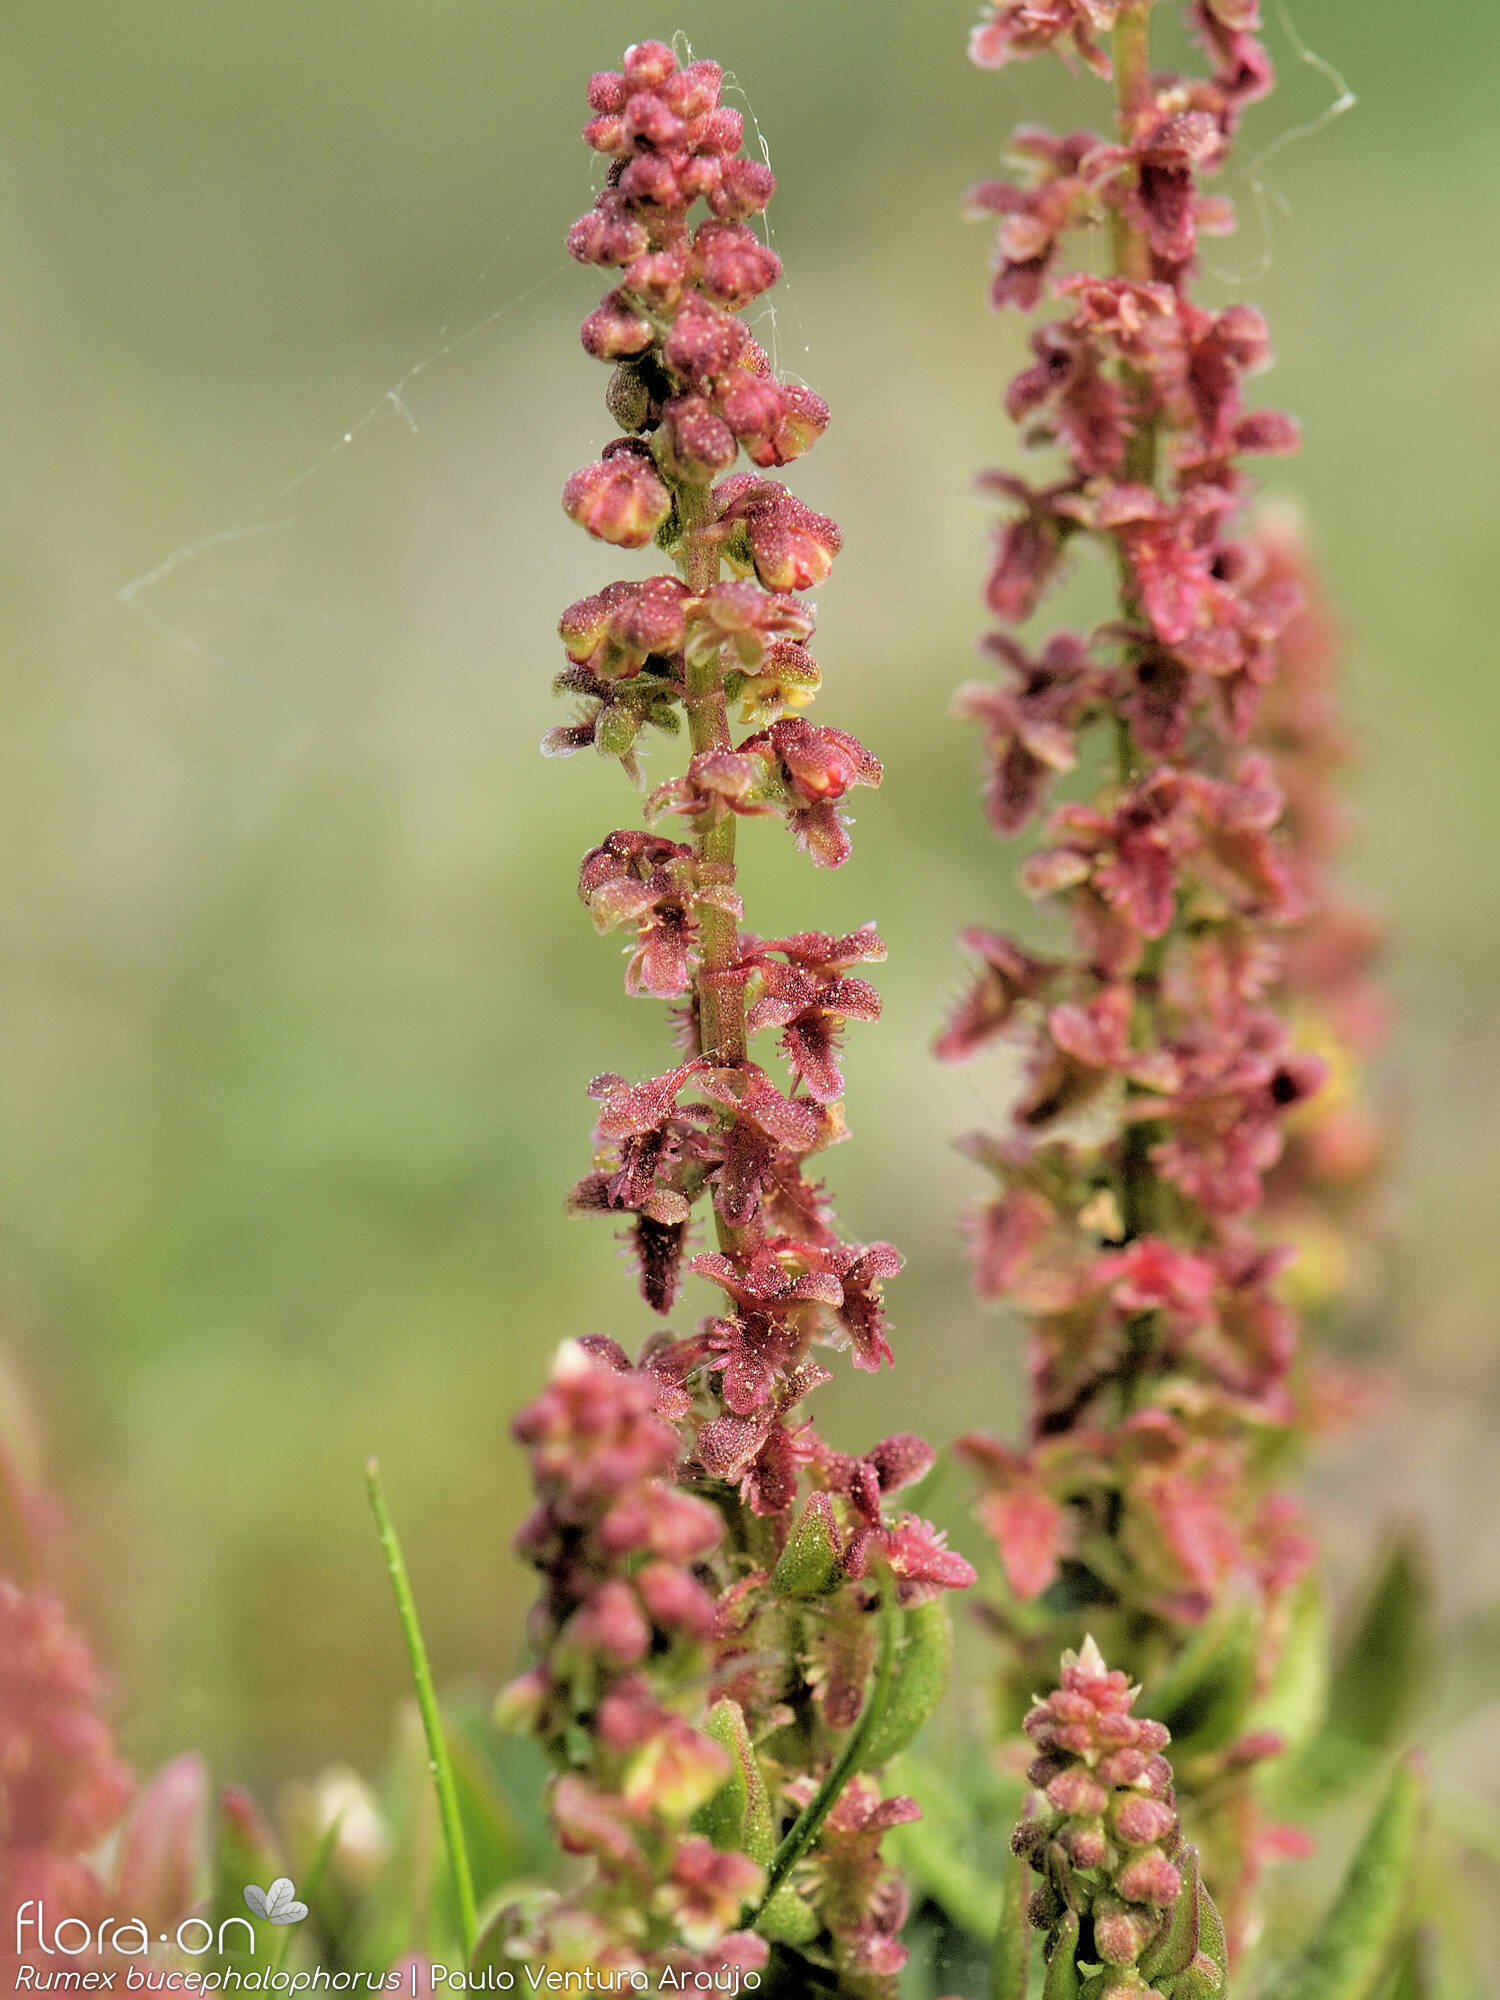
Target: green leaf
(921, 1675)
(618, 728)
(1061, 1982)
(738, 1815)
(1177, 1947)
(811, 1564)
(808, 1824)
(786, 1918)
(1386, 1656)
(1010, 1966)
(1204, 1697)
(245, 1850)
(1209, 1972)
(494, 1840)
(1354, 1944)
(1416, 1972)
(1190, 1960)
(1295, 1703)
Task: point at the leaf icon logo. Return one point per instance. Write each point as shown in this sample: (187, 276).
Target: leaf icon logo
(278, 1904)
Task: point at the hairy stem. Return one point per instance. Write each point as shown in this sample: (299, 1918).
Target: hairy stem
(438, 1760)
(1132, 259)
(809, 1823)
(1132, 67)
(1131, 251)
(721, 1001)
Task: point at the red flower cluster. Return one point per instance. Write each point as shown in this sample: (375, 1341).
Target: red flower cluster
(62, 1788)
(1168, 1064)
(622, 1630)
(64, 1792)
(691, 387)
(718, 1136)
(1118, 1889)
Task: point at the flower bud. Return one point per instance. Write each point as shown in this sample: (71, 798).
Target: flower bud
(804, 418)
(1077, 1792)
(651, 119)
(1141, 1822)
(1121, 1934)
(822, 763)
(648, 64)
(650, 619)
(721, 131)
(519, 1704)
(676, 1772)
(694, 91)
(698, 177)
(790, 546)
(1087, 1845)
(618, 499)
(606, 237)
(694, 443)
(752, 405)
(676, 1601)
(1149, 1878)
(703, 343)
(614, 329)
(611, 1625)
(650, 178)
(605, 134)
(165, 1842)
(658, 277)
(606, 91)
(734, 266)
(744, 188)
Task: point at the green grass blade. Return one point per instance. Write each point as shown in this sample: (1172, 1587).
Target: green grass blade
(438, 1759)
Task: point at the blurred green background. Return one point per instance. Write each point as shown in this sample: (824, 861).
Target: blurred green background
(297, 1002)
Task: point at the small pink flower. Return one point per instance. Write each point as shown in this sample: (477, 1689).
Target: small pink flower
(618, 499)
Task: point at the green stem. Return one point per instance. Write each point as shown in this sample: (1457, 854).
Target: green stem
(808, 1824)
(438, 1761)
(1132, 253)
(721, 1002)
(721, 1010)
(1132, 65)
(1132, 260)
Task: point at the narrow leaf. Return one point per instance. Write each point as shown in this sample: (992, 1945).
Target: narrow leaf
(1296, 1702)
(1385, 1658)
(921, 1676)
(1176, 1948)
(1061, 1982)
(1354, 1944)
(1010, 1965)
(1205, 1697)
(427, 1702)
(739, 1813)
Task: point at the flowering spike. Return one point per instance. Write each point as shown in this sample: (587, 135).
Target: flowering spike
(1103, 1835)
(1174, 1140)
(694, 1709)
